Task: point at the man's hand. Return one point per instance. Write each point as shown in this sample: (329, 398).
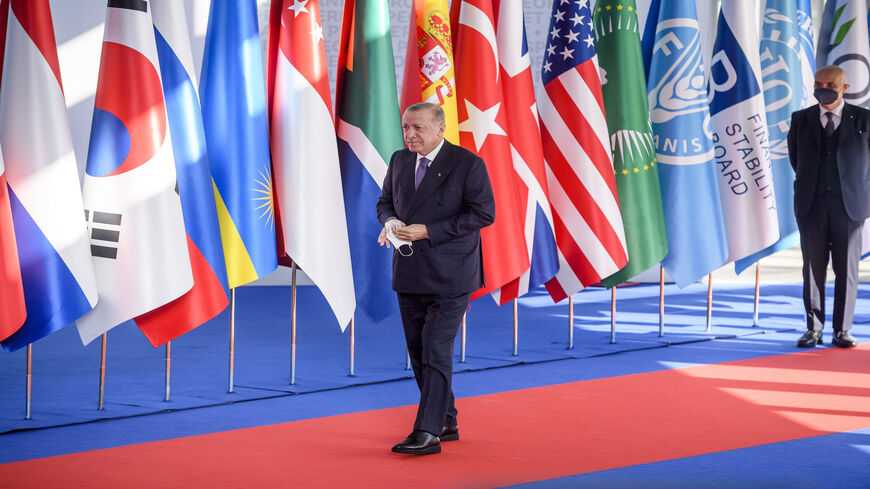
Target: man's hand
(413, 232)
(382, 238)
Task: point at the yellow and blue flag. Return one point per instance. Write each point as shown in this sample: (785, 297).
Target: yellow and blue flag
(233, 98)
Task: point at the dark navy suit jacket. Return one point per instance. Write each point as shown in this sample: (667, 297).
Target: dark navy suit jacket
(853, 158)
(454, 201)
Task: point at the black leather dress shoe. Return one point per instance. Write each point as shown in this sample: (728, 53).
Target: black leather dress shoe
(419, 443)
(810, 339)
(449, 433)
(844, 339)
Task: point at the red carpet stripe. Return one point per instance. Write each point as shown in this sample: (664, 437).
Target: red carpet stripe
(507, 438)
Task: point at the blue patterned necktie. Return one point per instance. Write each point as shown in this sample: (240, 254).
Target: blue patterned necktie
(421, 172)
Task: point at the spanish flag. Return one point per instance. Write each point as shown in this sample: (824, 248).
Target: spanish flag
(429, 62)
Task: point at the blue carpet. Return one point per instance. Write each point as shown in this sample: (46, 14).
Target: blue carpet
(65, 374)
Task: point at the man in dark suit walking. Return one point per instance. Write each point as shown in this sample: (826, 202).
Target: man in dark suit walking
(829, 148)
(437, 196)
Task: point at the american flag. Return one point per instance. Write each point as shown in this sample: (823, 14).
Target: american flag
(588, 225)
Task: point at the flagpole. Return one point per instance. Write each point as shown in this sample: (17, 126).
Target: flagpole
(709, 300)
(613, 315)
(293, 326)
(352, 344)
(407, 359)
(168, 370)
(757, 282)
(462, 343)
(516, 329)
(232, 337)
(571, 323)
(661, 301)
(102, 398)
(29, 374)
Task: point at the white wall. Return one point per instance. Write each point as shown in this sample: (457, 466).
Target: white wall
(79, 29)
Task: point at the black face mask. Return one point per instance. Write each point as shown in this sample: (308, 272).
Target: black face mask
(826, 96)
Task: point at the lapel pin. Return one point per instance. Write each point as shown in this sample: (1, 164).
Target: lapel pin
(439, 175)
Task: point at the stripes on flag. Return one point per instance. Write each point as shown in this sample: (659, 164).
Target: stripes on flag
(208, 297)
(57, 273)
(587, 222)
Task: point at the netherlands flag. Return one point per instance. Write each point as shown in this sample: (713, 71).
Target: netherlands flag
(208, 297)
(138, 240)
(53, 250)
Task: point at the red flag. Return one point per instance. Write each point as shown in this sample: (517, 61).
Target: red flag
(526, 149)
(12, 311)
(305, 156)
(482, 129)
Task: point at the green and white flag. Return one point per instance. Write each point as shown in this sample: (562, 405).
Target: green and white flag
(631, 139)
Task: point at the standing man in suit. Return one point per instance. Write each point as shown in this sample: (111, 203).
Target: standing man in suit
(829, 148)
(437, 196)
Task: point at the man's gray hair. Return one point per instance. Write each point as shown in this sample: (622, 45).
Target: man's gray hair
(435, 111)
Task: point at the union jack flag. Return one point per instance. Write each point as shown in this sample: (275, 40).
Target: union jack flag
(588, 224)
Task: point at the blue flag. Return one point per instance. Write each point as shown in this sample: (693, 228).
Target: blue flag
(233, 98)
(787, 67)
(680, 120)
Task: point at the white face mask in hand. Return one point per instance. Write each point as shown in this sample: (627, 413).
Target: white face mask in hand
(398, 242)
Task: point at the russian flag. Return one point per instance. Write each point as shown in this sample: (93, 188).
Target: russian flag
(138, 240)
(208, 297)
(53, 251)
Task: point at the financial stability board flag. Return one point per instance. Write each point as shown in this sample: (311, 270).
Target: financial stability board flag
(305, 156)
(138, 241)
(369, 131)
(232, 94)
(588, 225)
(843, 41)
(482, 130)
(634, 162)
(787, 70)
(54, 255)
(208, 297)
(741, 144)
(526, 151)
(428, 75)
(680, 118)
(12, 309)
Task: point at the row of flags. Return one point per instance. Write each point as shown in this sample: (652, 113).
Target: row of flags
(637, 157)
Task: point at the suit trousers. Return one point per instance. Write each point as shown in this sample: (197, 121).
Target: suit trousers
(431, 322)
(828, 231)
